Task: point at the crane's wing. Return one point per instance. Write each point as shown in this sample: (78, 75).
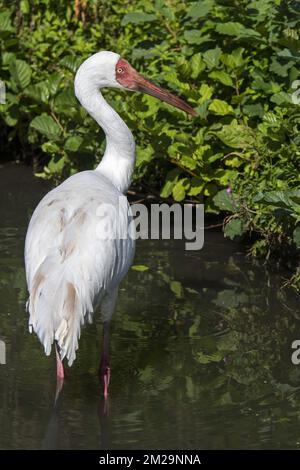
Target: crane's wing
(79, 245)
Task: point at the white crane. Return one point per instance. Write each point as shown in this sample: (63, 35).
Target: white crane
(70, 269)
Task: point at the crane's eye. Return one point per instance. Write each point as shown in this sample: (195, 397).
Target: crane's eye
(120, 70)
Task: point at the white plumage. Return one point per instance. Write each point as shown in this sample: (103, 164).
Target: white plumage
(80, 240)
(70, 269)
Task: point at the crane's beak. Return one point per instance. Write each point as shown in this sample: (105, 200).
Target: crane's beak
(144, 86)
(130, 79)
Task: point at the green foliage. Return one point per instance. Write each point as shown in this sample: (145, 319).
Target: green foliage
(235, 62)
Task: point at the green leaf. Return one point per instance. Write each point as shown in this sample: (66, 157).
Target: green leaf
(20, 73)
(144, 155)
(280, 69)
(194, 36)
(8, 57)
(137, 17)
(205, 92)
(176, 287)
(140, 267)
(236, 29)
(171, 180)
(25, 7)
(73, 143)
(39, 92)
(56, 165)
(202, 110)
(51, 148)
(71, 62)
(235, 59)
(220, 107)
(253, 109)
(197, 65)
(233, 228)
(203, 358)
(199, 9)
(225, 201)
(180, 189)
(12, 115)
(196, 186)
(188, 162)
(53, 83)
(288, 199)
(282, 98)
(212, 57)
(222, 77)
(46, 126)
(236, 136)
(66, 100)
(5, 22)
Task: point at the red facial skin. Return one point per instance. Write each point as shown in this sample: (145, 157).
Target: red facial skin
(125, 74)
(130, 79)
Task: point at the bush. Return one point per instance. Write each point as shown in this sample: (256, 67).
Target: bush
(235, 61)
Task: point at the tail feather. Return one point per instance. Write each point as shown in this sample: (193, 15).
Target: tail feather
(57, 309)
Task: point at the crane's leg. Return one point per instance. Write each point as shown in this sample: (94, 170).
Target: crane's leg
(107, 308)
(104, 369)
(60, 373)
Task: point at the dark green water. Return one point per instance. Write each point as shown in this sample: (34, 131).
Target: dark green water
(200, 351)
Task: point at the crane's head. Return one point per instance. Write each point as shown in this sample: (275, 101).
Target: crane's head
(107, 69)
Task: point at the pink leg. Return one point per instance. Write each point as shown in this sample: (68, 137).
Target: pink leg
(104, 369)
(59, 366)
(106, 379)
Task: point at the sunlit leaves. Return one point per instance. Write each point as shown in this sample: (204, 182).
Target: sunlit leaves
(220, 107)
(212, 57)
(196, 186)
(222, 77)
(144, 156)
(233, 60)
(197, 65)
(205, 92)
(180, 188)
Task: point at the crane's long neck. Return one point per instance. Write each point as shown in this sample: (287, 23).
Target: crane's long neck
(118, 160)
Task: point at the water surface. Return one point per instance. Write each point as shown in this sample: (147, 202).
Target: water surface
(200, 351)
